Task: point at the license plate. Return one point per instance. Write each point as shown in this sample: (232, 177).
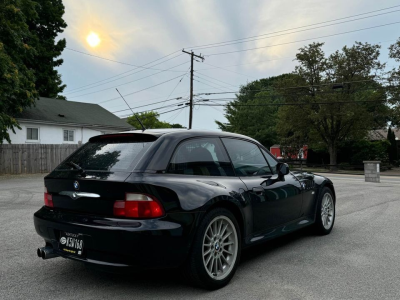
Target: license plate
(71, 243)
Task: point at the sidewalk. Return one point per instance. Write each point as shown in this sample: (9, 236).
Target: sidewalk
(392, 172)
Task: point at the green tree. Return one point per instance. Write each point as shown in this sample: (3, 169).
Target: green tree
(177, 125)
(250, 114)
(150, 121)
(392, 149)
(44, 30)
(17, 81)
(394, 84)
(344, 117)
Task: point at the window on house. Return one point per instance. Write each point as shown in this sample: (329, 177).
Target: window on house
(69, 135)
(32, 134)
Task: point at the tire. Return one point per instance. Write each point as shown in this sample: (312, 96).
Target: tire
(326, 212)
(208, 248)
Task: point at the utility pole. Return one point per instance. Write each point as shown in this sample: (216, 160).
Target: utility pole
(192, 55)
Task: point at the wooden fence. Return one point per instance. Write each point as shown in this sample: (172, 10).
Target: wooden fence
(32, 158)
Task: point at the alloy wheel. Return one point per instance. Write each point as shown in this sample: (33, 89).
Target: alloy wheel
(220, 247)
(327, 211)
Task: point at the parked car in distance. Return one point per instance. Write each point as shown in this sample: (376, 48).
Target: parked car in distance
(176, 198)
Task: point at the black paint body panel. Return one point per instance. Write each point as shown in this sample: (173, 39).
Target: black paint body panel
(271, 211)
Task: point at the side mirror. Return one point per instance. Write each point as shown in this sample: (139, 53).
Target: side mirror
(282, 169)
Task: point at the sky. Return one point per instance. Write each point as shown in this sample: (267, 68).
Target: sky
(141, 42)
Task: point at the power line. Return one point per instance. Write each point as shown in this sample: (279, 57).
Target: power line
(126, 82)
(274, 104)
(173, 90)
(256, 38)
(179, 98)
(212, 82)
(112, 99)
(162, 107)
(230, 99)
(293, 104)
(287, 43)
(247, 76)
(170, 119)
(249, 105)
(172, 110)
(82, 87)
(208, 84)
(164, 111)
(176, 104)
(197, 72)
(297, 87)
(279, 58)
(106, 82)
(116, 61)
(343, 18)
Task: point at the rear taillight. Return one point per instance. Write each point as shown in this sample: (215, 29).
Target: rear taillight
(48, 198)
(138, 206)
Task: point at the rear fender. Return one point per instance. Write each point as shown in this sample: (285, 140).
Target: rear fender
(201, 194)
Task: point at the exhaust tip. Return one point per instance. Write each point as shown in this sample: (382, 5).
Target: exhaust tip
(46, 252)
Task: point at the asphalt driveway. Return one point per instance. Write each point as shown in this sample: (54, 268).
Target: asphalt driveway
(360, 259)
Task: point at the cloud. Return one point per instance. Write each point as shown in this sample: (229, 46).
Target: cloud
(275, 17)
(138, 32)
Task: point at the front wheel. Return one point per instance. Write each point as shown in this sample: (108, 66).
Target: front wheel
(325, 217)
(216, 250)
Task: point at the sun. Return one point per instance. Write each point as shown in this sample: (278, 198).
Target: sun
(93, 39)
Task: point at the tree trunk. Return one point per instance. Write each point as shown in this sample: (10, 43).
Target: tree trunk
(333, 157)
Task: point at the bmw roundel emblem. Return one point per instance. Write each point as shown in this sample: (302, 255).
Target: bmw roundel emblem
(76, 185)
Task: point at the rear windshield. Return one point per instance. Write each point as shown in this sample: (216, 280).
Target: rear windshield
(107, 156)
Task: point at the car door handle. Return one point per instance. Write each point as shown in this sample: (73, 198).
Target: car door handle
(258, 190)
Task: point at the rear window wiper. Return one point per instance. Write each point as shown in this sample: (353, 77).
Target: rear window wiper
(77, 167)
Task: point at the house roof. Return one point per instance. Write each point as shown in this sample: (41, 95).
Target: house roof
(381, 134)
(48, 110)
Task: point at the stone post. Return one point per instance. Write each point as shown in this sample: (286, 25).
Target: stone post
(372, 171)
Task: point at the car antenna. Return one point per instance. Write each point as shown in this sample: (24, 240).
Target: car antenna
(137, 118)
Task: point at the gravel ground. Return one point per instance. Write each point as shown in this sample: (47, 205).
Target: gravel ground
(360, 259)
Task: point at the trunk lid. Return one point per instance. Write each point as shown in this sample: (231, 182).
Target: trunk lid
(106, 162)
(94, 194)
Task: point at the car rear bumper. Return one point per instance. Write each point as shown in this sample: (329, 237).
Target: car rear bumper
(121, 243)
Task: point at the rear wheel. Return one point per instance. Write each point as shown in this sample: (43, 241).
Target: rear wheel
(325, 217)
(216, 250)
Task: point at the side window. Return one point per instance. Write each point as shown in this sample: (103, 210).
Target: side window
(201, 156)
(271, 161)
(247, 158)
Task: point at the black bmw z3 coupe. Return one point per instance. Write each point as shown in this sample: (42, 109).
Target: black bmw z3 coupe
(176, 198)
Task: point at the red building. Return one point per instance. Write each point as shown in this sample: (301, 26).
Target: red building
(276, 151)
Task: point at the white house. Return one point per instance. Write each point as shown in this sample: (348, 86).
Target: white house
(54, 121)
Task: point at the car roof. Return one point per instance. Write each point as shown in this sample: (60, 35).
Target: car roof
(188, 132)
